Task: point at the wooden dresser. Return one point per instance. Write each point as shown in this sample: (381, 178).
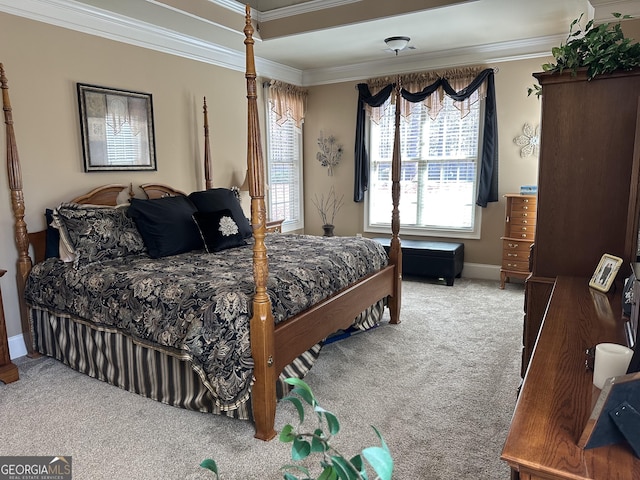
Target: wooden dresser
(557, 394)
(519, 233)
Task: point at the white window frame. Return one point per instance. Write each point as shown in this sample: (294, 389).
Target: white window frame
(288, 225)
(472, 233)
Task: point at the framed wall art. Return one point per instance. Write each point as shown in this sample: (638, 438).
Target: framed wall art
(605, 273)
(117, 129)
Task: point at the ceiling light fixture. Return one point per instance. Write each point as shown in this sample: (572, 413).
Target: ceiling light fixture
(397, 43)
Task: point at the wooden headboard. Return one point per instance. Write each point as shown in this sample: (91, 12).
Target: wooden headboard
(103, 195)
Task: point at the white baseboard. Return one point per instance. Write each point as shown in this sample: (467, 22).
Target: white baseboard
(17, 347)
(481, 271)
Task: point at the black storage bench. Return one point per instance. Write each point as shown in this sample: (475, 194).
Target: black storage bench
(430, 259)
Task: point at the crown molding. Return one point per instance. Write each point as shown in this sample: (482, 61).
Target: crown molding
(232, 5)
(94, 21)
(538, 47)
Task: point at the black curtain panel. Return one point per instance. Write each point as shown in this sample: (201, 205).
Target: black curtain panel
(361, 155)
(488, 175)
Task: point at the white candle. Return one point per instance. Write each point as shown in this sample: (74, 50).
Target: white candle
(611, 360)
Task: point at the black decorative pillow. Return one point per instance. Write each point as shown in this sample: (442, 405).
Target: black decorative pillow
(52, 244)
(219, 230)
(216, 199)
(94, 233)
(166, 225)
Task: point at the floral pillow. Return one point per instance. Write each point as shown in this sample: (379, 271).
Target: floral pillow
(94, 233)
(219, 230)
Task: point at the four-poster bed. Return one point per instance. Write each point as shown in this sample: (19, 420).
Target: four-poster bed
(278, 340)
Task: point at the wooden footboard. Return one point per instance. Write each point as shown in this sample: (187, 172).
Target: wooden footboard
(334, 313)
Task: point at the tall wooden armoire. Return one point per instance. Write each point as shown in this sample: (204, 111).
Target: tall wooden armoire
(587, 183)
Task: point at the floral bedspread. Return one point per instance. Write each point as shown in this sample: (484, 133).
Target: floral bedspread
(200, 303)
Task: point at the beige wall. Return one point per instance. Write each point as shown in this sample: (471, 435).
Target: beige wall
(43, 65)
(332, 109)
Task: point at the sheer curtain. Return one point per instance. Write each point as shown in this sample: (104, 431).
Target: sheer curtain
(464, 85)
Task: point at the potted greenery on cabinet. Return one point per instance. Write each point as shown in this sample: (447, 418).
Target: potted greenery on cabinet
(599, 49)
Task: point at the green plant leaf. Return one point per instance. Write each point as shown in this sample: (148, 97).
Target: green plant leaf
(342, 468)
(359, 464)
(332, 420)
(328, 474)
(210, 464)
(318, 444)
(298, 404)
(301, 386)
(287, 434)
(300, 449)
(380, 460)
(601, 49)
(306, 395)
(381, 438)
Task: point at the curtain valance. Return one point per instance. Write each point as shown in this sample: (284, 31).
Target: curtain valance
(288, 101)
(481, 85)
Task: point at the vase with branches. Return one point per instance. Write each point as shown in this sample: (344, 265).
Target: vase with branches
(328, 207)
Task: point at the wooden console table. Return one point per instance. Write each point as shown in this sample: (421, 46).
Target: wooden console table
(8, 371)
(557, 393)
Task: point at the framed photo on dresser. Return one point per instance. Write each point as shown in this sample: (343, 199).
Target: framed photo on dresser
(605, 272)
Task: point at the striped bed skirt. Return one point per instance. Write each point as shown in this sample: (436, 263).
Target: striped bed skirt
(161, 374)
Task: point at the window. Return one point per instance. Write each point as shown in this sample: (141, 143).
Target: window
(438, 178)
(284, 171)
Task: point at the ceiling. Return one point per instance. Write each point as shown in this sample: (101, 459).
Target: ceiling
(310, 42)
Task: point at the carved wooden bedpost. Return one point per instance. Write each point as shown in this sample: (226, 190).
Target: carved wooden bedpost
(17, 204)
(208, 179)
(395, 252)
(262, 323)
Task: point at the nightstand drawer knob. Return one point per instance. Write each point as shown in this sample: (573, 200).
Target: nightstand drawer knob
(513, 245)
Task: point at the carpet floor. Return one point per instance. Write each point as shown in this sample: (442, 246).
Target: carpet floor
(440, 386)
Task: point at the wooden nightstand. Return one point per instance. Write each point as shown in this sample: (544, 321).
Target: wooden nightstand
(8, 371)
(274, 226)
